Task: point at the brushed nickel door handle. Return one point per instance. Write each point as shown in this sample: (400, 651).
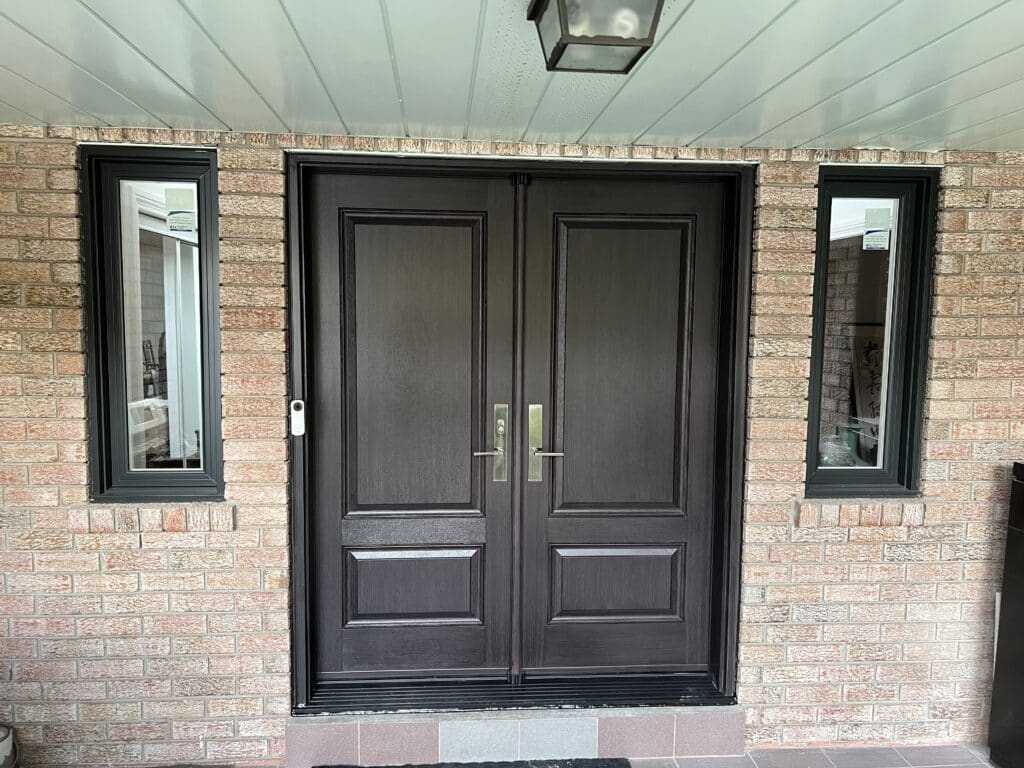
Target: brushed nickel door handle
(534, 459)
(499, 472)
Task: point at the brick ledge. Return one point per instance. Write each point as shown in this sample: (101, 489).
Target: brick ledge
(176, 517)
(854, 513)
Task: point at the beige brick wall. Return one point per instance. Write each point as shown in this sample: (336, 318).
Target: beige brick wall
(872, 621)
(154, 633)
(160, 633)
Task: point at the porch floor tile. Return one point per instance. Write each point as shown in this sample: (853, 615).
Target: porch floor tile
(937, 756)
(852, 757)
(869, 757)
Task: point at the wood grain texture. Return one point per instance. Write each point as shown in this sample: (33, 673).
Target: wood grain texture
(619, 335)
(412, 339)
(622, 351)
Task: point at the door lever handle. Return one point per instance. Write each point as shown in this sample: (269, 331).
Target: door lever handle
(534, 463)
(499, 472)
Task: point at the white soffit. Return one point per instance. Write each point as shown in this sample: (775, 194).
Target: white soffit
(901, 74)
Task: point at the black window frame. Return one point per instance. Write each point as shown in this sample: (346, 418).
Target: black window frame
(917, 191)
(103, 168)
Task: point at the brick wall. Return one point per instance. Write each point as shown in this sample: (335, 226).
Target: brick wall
(128, 633)
(159, 633)
(872, 621)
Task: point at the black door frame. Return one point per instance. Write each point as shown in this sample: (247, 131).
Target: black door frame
(718, 687)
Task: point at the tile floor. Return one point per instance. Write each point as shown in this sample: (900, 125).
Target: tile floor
(851, 757)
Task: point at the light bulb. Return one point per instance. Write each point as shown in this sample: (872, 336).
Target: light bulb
(625, 23)
(579, 22)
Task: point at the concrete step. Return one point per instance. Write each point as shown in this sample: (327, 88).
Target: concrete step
(422, 739)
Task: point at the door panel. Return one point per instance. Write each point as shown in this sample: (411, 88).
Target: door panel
(619, 334)
(627, 583)
(414, 331)
(438, 586)
(618, 532)
(411, 326)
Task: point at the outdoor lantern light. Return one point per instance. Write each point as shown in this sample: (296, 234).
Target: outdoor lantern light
(595, 35)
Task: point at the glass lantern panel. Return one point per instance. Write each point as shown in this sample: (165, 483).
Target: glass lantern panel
(600, 58)
(628, 19)
(550, 28)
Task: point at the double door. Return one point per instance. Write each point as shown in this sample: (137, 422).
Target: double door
(511, 414)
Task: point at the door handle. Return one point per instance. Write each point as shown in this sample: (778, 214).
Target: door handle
(499, 472)
(535, 463)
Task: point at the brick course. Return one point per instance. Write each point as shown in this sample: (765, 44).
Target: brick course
(159, 633)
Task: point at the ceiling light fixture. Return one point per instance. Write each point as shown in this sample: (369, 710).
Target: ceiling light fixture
(594, 35)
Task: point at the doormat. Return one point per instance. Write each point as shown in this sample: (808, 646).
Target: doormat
(608, 763)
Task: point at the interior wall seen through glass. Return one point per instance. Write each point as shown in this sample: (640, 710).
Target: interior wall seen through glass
(858, 305)
(162, 329)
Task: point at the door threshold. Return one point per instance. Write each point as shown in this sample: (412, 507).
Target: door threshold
(687, 689)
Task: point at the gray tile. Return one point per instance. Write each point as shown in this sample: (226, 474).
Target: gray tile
(398, 743)
(711, 733)
(467, 741)
(867, 757)
(562, 737)
(639, 737)
(948, 755)
(790, 758)
(715, 762)
(980, 751)
(652, 762)
(321, 744)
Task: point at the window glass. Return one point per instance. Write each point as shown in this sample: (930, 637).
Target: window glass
(162, 329)
(857, 331)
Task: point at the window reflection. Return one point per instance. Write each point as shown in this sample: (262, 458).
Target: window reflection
(160, 279)
(858, 298)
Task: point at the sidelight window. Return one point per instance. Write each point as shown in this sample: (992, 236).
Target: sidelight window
(152, 294)
(871, 308)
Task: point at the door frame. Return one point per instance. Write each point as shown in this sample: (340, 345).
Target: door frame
(737, 221)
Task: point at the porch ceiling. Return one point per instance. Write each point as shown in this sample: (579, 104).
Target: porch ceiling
(904, 74)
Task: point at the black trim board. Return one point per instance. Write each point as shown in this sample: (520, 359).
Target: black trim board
(716, 687)
(102, 167)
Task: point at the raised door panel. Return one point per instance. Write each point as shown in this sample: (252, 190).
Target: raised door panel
(413, 587)
(414, 324)
(621, 316)
(603, 583)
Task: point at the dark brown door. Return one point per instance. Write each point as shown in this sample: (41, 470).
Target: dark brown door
(410, 319)
(621, 334)
(571, 326)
